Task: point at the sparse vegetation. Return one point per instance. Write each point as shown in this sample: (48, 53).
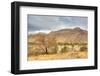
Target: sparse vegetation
(38, 53)
(50, 47)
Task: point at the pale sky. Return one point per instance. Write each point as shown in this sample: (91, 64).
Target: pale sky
(49, 23)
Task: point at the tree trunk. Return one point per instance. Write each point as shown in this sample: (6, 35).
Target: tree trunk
(46, 50)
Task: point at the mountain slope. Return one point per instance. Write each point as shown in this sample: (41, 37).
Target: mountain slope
(76, 35)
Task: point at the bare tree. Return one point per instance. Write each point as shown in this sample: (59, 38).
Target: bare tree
(50, 42)
(46, 42)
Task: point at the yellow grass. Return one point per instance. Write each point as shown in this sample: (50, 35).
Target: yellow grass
(60, 56)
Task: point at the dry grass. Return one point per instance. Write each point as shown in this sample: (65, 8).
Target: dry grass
(67, 55)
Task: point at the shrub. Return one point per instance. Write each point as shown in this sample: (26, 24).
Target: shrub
(64, 50)
(52, 50)
(83, 49)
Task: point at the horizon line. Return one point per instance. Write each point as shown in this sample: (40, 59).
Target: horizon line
(48, 31)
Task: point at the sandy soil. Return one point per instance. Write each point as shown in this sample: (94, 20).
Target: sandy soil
(60, 56)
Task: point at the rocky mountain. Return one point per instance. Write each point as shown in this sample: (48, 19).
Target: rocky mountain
(76, 35)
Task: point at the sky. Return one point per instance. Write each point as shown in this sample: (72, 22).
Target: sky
(47, 23)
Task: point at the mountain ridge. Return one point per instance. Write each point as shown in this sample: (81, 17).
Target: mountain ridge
(75, 35)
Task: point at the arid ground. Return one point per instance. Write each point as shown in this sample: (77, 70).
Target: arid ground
(67, 55)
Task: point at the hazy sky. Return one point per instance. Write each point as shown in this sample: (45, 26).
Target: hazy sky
(52, 23)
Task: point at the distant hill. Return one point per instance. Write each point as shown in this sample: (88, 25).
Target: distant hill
(76, 35)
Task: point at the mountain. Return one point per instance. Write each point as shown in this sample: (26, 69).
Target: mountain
(76, 35)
